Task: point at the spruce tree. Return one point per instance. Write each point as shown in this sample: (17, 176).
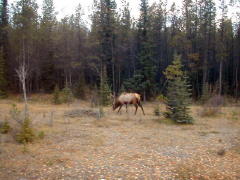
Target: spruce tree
(145, 63)
(56, 95)
(48, 56)
(105, 93)
(3, 47)
(178, 93)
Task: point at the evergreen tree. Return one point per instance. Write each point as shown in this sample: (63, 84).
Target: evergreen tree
(23, 39)
(120, 49)
(178, 95)
(56, 95)
(4, 47)
(105, 93)
(48, 68)
(107, 38)
(221, 43)
(145, 64)
(67, 95)
(206, 35)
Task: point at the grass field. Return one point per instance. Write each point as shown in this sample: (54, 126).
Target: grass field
(79, 145)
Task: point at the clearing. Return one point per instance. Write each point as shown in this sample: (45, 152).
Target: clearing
(78, 145)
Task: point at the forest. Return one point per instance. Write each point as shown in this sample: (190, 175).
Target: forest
(64, 80)
(119, 51)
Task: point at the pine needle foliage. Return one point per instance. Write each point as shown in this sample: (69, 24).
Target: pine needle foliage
(67, 95)
(26, 134)
(105, 93)
(56, 95)
(178, 93)
(5, 127)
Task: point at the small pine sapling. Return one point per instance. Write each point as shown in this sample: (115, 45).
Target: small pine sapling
(56, 95)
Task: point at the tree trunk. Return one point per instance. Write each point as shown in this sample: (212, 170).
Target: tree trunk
(220, 77)
(236, 86)
(25, 98)
(113, 78)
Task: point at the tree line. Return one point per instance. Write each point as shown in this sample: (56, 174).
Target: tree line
(117, 51)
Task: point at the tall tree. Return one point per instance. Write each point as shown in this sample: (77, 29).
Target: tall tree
(221, 44)
(237, 60)
(4, 46)
(191, 44)
(48, 22)
(207, 26)
(24, 36)
(124, 45)
(145, 63)
(158, 20)
(107, 35)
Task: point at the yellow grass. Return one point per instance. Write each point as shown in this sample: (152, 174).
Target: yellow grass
(124, 138)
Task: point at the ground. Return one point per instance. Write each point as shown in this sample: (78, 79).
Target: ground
(123, 146)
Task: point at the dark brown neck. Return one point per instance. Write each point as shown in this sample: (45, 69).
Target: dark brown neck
(116, 104)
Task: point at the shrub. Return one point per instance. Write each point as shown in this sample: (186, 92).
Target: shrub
(101, 112)
(26, 134)
(15, 113)
(161, 98)
(205, 93)
(212, 107)
(67, 95)
(56, 95)
(3, 94)
(5, 127)
(209, 111)
(41, 135)
(105, 93)
(79, 89)
(157, 111)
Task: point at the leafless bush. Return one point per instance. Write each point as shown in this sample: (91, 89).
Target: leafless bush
(212, 107)
(216, 101)
(94, 99)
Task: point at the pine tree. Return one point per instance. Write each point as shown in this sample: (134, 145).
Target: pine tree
(3, 47)
(145, 64)
(56, 95)
(105, 93)
(48, 68)
(206, 35)
(107, 38)
(67, 95)
(178, 95)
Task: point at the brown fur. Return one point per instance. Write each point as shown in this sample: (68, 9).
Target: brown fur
(128, 98)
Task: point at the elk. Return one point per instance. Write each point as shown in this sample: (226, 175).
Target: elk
(127, 98)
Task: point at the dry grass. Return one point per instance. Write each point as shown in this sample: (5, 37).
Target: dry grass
(198, 171)
(121, 145)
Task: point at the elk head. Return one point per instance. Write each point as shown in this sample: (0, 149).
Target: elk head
(115, 103)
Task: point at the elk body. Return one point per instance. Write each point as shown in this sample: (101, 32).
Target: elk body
(126, 99)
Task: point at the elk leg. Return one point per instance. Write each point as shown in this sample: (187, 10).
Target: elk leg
(119, 108)
(136, 106)
(126, 107)
(141, 108)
